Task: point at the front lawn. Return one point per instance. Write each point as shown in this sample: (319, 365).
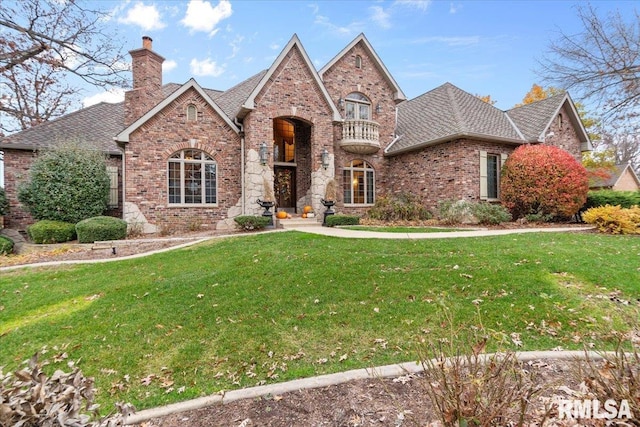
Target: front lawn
(402, 229)
(242, 311)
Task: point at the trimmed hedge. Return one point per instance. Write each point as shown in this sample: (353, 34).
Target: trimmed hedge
(6, 245)
(47, 231)
(404, 206)
(337, 220)
(251, 223)
(490, 214)
(624, 199)
(101, 228)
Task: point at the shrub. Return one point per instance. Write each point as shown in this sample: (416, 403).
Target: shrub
(69, 183)
(490, 214)
(337, 220)
(101, 228)
(51, 232)
(454, 211)
(251, 223)
(404, 206)
(614, 219)
(542, 179)
(4, 203)
(6, 245)
(31, 398)
(624, 199)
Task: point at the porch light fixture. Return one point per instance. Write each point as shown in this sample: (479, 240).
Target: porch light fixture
(340, 102)
(378, 108)
(325, 158)
(263, 153)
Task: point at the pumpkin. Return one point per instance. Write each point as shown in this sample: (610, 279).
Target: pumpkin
(307, 209)
(304, 215)
(281, 215)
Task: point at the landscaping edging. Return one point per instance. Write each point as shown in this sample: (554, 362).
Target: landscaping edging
(387, 371)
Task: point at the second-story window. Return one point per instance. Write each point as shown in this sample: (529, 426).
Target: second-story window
(357, 107)
(192, 113)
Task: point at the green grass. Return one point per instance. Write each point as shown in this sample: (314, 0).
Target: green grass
(241, 311)
(402, 229)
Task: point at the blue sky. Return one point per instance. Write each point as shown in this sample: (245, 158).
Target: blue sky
(483, 47)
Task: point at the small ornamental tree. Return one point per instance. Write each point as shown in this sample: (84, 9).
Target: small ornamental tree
(543, 180)
(69, 183)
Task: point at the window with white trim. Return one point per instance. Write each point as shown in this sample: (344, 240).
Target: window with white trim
(192, 178)
(357, 107)
(358, 183)
(490, 166)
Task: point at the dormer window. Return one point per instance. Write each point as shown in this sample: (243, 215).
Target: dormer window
(192, 113)
(358, 61)
(357, 107)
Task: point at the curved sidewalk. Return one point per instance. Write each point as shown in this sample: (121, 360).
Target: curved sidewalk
(357, 234)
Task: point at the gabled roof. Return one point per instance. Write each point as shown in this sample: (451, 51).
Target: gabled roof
(398, 94)
(191, 84)
(249, 103)
(232, 99)
(94, 125)
(535, 119)
(447, 113)
(616, 172)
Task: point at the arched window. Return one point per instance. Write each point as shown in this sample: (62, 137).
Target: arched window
(192, 113)
(358, 183)
(357, 107)
(358, 61)
(192, 178)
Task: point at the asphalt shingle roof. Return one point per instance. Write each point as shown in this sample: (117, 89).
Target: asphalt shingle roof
(533, 119)
(230, 101)
(448, 112)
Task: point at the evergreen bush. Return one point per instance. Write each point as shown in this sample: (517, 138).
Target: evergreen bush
(101, 228)
(4, 203)
(47, 231)
(69, 183)
(624, 199)
(6, 245)
(452, 212)
(490, 214)
(545, 180)
(252, 223)
(337, 220)
(405, 206)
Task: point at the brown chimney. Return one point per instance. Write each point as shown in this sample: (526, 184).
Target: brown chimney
(146, 67)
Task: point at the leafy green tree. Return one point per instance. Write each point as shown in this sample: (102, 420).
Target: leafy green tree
(69, 183)
(4, 203)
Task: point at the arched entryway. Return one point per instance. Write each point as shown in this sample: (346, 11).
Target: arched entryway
(291, 163)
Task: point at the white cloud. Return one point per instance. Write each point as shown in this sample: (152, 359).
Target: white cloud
(111, 96)
(449, 41)
(235, 45)
(274, 46)
(380, 16)
(169, 65)
(454, 8)
(201, 16)
(146, 17)
(206, 67)
(422, 5)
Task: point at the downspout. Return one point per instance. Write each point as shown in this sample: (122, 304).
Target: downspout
(242, 166)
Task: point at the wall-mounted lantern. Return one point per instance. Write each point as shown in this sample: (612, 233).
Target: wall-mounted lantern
(263, 153)
(340, 102)
(325, 158)
(378, 108)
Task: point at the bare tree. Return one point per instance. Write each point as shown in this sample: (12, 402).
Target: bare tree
(44, 45)
(601, 63)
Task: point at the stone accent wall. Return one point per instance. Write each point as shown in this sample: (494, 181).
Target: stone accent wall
(292, 93)
(449, 171)
(17, 164)
(147, 154)
(344, 78)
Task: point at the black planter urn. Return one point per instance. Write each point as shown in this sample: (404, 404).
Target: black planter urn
(329, 205)
(266, 205)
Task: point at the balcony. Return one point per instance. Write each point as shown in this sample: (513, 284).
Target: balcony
(360, 136)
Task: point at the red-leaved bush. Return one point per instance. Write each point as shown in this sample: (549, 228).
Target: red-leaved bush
(543, 180)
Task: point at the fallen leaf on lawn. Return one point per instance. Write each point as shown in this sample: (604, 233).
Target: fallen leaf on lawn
(343, 357)
(199, 296)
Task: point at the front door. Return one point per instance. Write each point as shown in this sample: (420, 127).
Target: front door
(284, 183)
